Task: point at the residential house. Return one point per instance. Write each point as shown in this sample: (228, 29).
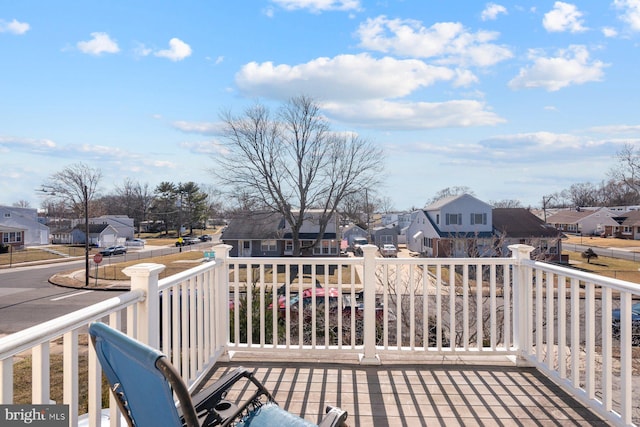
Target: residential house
(352, 231)
(268, 234)
(100, 235)
(519, 226)
(456, 226)
(121, 223)
(587, 222)
(20, 227)
(629, 225)
(385, 235)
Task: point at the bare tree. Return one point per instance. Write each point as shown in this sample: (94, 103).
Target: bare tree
(628, 168)
(293, 163)
(505, 203)
(450, 191)
(75, 186)
(22, 204)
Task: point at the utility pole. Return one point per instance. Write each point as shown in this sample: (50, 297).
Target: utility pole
(85, 194)
(544, 206)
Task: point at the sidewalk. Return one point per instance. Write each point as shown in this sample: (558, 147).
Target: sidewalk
(76, 279)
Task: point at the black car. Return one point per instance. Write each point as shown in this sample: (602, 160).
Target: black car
(205, 237)
(113, 250)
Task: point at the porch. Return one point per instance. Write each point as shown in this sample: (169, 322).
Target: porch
(479, 341)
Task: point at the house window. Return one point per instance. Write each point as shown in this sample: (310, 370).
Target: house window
(437, 219)
(268, 246)
(11, 237)
(325, 247)
(453, 219)
(288, 246)
(478, 218)
(7, 214)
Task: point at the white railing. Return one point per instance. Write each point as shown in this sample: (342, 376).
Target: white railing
(367, 310)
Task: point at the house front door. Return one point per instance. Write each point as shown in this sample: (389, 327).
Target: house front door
(246, 248)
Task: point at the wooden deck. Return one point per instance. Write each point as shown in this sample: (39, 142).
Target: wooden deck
(419, 394)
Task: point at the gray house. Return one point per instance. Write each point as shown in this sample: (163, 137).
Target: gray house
(518, 225)
(20, 227)
(268, 234)
(385, 235)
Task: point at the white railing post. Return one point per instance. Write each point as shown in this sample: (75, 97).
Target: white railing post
(369, 357)
(221, 298)
(522, 304)
(145, 277)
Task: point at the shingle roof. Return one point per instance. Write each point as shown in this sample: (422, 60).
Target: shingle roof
(568, 217)
(519, 222)
(631, 218)
(254, 225)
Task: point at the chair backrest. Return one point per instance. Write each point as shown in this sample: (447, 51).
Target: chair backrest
(141, 379)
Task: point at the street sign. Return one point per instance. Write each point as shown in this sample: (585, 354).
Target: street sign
(97, 258)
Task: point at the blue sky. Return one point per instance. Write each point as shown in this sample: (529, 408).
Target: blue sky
(513, 99)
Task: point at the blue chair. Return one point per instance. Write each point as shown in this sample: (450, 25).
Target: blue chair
(144, 382)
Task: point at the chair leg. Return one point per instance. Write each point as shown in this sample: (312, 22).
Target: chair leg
(334, 417)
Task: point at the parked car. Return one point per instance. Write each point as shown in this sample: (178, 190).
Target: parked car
(635, 323)
(135, 242)
(205, 238)
(388, 250)
(113, 250)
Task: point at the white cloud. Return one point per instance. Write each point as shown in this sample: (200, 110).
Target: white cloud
(491, 11)
(609, 32)
(204, 128)
(366, 90)
(178, 50)
(204, 147)
(563, 17)
(413, 115)
(99, 44)
(445, 42)
(14, 27)
(141, 50)
(27, 144)
(343, 77)
(630, 12)
(319, 5)
(569, 67)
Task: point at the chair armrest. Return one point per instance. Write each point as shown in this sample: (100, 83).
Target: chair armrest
(334, 417)
(205, 402)
(212, 394)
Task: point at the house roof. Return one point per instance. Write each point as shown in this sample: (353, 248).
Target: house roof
(519, 222)
(254, 225)
(568, 217)
(438, 204)
(93, 228)
(631, 218)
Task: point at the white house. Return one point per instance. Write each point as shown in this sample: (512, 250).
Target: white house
(585, 221)
(456, 226)
(22, 227)
(121, 223)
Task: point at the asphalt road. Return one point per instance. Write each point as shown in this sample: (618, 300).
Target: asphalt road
(608, 252)
(27, 298)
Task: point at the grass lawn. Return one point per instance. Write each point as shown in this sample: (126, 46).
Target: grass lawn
(606, 266)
